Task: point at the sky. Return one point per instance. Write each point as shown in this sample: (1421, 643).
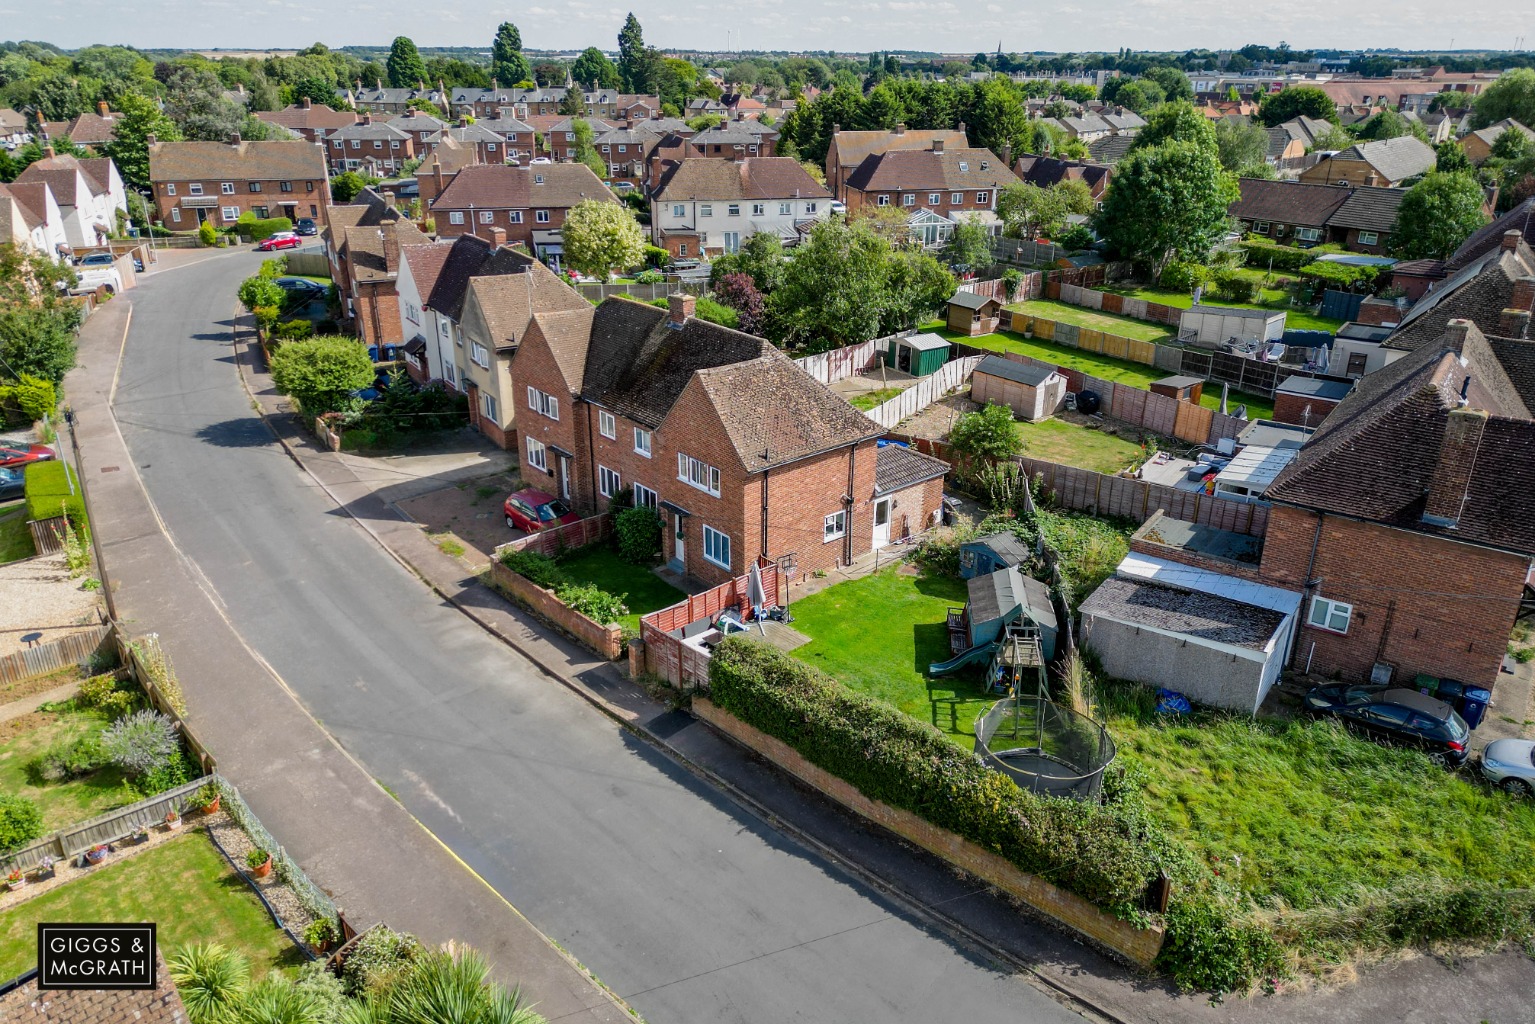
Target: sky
(956, 26)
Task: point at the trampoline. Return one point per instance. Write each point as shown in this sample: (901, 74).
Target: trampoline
(1044, 747)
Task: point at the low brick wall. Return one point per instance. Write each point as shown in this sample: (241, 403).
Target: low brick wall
(606, 641)
(1138, 945)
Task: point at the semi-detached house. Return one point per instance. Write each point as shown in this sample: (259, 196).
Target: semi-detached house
(89, 194)
(705, 206)
(202, 181)
(743, 454)
(528, 203)
(938, 186)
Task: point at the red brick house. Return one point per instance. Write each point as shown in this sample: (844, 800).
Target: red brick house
(309, 122)
(944, 181)
(371, 147)
(1408, 519)
(849, 149)
(419, 125)
(217, 181)
(362, 241)
(528, 203)
(741, 451)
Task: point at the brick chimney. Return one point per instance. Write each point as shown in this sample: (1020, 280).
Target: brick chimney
(102, 110)
(1514, 322)
(937, 145)
(367, 118)
(497, 237)
(1372, 180)
(150, 140)
(391, 240)
(1511, 240)
(680, 307)
(307, 103)
(1455, 466)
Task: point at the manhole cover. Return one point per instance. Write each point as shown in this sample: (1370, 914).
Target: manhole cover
(110, 469)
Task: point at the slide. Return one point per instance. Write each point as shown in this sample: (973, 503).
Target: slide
(976, 653)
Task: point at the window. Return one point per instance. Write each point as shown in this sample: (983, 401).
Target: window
(983, 198)
(195, 189)
(956, 198)
(228, 188)
(1261, 227)
(608, 483)
(607, 148)
(537, 457)
(490, 147)
(480, 354)
(515, 216)
(231, 213)
(759, 209)
(835, 526)
(487, 216)
(682, 248)
(176, 214)
(412, 313)
(733, 210)
(540, 402)
(393, 144)
(706, 210)
(882, 201)
(964, 166)
(623, 149)
(908, 200)
(679, 210)
(286, 186)
(488, 406)
(378, 144)
(356, 143)
(1332, 616)
(935, 198)
(642, 441)
(1369, 238)
(645, 496)
(170, 188)
(308, 186)
(716, 547)
(810, 207)
(699, 474)
(541, 216)
(607, 424)
(570, 136)
(1308, 234)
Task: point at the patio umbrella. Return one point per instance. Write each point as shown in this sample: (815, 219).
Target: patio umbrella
(757, 595)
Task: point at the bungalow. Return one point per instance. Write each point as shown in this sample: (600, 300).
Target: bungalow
(1478, 145)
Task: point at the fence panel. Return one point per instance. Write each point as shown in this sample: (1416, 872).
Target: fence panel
(572, 535)
(1098, 494)
(842, 363)
(55, 655)
(107, 828)
(47, 534)
(311, 264)
(925, 392)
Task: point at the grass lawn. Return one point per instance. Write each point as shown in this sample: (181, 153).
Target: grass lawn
(1274, 298)
(62, 803)
(644, 589)
(15, 538)
(1108, 323)
(878, 634)
(1071, 445)
(1311, 810)
(869, 399)
(183, 885)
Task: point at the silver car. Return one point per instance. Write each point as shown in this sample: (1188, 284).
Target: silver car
(1510, 765)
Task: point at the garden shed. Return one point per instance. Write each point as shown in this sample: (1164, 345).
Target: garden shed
(1007, 596)
(917, 354)
(985, 555)
(1033, 391)
(1180, 389)
(1214, 326)
(974, 314)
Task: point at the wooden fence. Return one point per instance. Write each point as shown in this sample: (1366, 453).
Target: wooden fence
(572, 535)
(309, 264)
(687, 667)
(925, 392)
(1100, 495)
(1026, 253)
(108, 828)
(1085, 338)
(56, 655)
(157, 697)
(47, 534)
(1075, 294)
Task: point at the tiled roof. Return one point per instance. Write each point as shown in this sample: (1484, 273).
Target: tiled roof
(1186, 612)
(509, 301)
(505, 125)
(500, 187)
(1287, 202)
(1045, 171)
(1369, 209)
(1478, 292)
(379, 130)
(763, 177)
(1485, 239)
(315, 116)
(1373, 457)
(568, 333)
(1493, 132)
(25, 1004)
(852, 148)
(469, 134)
(1111, 150)
(470, 257)
(731, 134)
(85, 130)
(897, 468)
(365, 248)
(33, 198)
(247, 161)
(12, 120)
(417, 121)
(426, 262)
(1393, 159)
(61, 174)
(924, 169)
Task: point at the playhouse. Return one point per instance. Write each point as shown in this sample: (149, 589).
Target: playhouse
(985, 555)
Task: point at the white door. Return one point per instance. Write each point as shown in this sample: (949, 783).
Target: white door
(881, 522)
(679, 543)
(732, 241)
(565, 478)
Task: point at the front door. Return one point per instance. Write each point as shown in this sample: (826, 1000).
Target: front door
(564, 478)
(881, 522)
(679, 543)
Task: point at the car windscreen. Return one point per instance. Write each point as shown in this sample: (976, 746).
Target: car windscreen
(552, 510)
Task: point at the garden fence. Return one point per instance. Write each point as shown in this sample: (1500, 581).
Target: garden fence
(140, 670)
(564, 538)
(925, 392)
(308, 264)
(1026, 253)
(684, 666)
(47, 534)
(108, 828)
(56, 655)
(310, 896)
(848, 361)
(1127, 498)
(644, 292)
(1085, 338)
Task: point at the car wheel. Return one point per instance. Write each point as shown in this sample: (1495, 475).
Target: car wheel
(1439, 758)
(1516, 788)
(511, 523)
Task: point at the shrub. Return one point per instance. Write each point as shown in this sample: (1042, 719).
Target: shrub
(649, 277)
(322, 987)
(277, 266)
(1263, 254)
(381, 955)
(261, 290)
(656, 256)
(141, 742)
(27, 400)
(71, 759)
(1341, 275)
(638, 530)
(539, 568)
(1012, 277)
(1075, 238)
(321, 372)
(21, 821)
(988, 434)
(96, 689)
(293, 330)
(211, 980)
(1179, 276)
(52, 489)
(593, 602)
(207, 234)
(176, 770)
(1210, 944)
(258, 229)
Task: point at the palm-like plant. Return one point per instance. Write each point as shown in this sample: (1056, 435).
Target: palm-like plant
(453, 986)
(211, 980)
(276, 1000)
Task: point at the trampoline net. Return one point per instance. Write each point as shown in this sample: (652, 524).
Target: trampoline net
(1044, 747)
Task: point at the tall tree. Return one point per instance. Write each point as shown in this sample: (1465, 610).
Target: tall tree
(1436, 215)
(1175, 84)
(594, 71)
(1168, 202)
(1450, 158)
(586, 148)
(1512, 95)
(996, 119)
(1296, 101)
(1176, 122)
(1240, 145)
(507, 64)
(599, 236)
(631, 54)
(406, 68)
(129, 148)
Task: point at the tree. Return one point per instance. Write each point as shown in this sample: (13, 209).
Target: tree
(1028, 211)
(406, 69)
(346, 186)
(318, 90)
(129, 148)
(261, 291)
(989, 434)
(1297, 101)
(321, 372)
(573, 104)
(550, 73)
(507, 64)
(1167, 202)
(593, 70)
(1334, 139)
(997, 119)
(1240, 145)
(969, 245)
(586, 146)
(195, 101)
(1513, 144)
(760, 257)
(1141, 96)
(1174, 83)
(738, 291)
(1512, 95)
(599, 236)
(1076, 195)
(631, 54)
(1450, 158)
(1436, 215)
(1181, 122)
(1388, 124)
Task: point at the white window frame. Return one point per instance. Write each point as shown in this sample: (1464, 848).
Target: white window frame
(170, 188)
(909, 199)
(759, 209)
(698, 474)
(455, 216)
(1369, 238)
(716, 545)
(227, 188)
(706, 210)
(1309, 234)
(479, 355)
(230, 213)
(356, 143)
(195, 188)
(645, 496)
(733, 210)
(956, 199)
(679, 210)
(609, 482)
(541, 216)
(515, 216)
(607, 424)
(982, 198)
(487, 216)
(882, 201)
(1325, 612)
(176, 214)
(785, 209)
(642, 442)
(488, 407)
(543, 403)
(810, 207)
(834, 526)
(935, 199)
(1261, 227)
(538, 456)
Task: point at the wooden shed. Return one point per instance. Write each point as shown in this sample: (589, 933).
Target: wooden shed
(985, 555)
(918, 354)
(974, 314)
(1032, 391)
(1215, 326)
(1180, 389)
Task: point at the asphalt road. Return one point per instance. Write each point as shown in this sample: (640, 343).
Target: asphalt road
(682, 903)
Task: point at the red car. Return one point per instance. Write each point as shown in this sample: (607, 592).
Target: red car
(14, 456)
(534, 510)
(281, 240)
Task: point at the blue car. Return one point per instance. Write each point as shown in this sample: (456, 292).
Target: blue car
(12, 484)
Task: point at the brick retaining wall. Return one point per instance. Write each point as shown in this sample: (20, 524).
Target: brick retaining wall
(606, 641)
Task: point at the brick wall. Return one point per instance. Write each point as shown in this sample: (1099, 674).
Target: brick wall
(378, 314)
(1295, 409)
(802, 495)
(533, 365)
(1421, 603)
(308, 199)
(606, 641)
(1138, 945)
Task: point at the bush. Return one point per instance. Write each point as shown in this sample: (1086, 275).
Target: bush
(1179, 276)
(49, 493)
(381, 955)
(656, 256)
(1075, 238)
(1341, 275)
(293, 330)
(988, 434)
(71, 759)
(321, 372)
(1211, 945)
(649, 277)
(593, 602)
(277, 266)
(141, 742)
(211, 980)
(259, 291)
(1012, 277)
(539, 568)
(1263, 254)
(258, 230)
(207, 234)
(27, 400)
(20, 821)
(638, 530)
(266, 317)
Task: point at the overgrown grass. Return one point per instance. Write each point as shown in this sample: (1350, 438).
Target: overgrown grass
(1089, 548)
(1073, 445)
(183, 885)
(870, 399)
(62, 803)
(645, 591)
(15, 538)
(1108, 323)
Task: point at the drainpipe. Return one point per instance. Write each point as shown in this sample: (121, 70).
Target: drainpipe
(765, 513)
(591, 443)
(849, 501)
(1306, 588)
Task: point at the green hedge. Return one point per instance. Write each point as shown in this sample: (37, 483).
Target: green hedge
(1287, 258)
(48, 493)
(1341, 275)
(259, 230)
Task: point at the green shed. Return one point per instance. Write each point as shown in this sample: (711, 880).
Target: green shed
(917, 354)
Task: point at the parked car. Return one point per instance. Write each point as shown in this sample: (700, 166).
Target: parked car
(305, 226)
(540, 160)
(1510, 765)
(97, 259)
(623, 186)
(1396, 715)
(12, 484)
(281, 240)
(16, 456)
(301, 289)
(532, 511)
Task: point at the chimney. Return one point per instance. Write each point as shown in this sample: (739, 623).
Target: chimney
(836, 128)
(900, 127)
(1454, 468)
(102, 109)
(680, 308)
(463, 122)
(1372, 180)
(367, 118)
(1523, 297)
(1514, 323)
(1511, 240)
(391, 240)
(937, 145)
(48, 151)
(1007, 154)
(234, 138)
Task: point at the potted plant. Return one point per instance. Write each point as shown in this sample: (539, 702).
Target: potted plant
(259, 862)
(18, 878)
(96, 854)
(141, 833)
(172, 819)
(208, 798)
(321, 933)
(45, 867)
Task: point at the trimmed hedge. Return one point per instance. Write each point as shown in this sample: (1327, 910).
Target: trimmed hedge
(48, 493)
(1287, 258)
(1341, 275)
(259, 230)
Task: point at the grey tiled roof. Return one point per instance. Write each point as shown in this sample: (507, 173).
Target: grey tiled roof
(897, 468)
(1394, 159)
(1369, 209)
(1478, 292)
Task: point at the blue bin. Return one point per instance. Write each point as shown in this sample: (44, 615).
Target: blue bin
(1450, 690)
(1473, 705)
